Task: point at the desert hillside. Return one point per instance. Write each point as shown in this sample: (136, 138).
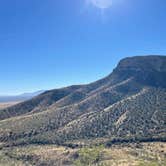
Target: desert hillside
(129, 104)
(118, 120)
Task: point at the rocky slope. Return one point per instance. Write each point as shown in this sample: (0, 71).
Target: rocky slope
(129, 103)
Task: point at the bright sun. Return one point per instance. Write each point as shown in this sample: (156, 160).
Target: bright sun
(102, 4)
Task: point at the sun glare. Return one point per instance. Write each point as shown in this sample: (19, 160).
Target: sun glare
(102, 4)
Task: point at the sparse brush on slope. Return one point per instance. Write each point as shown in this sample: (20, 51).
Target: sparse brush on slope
(128, 104)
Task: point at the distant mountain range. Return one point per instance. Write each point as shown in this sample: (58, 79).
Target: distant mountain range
(128, 104)
(21, 97)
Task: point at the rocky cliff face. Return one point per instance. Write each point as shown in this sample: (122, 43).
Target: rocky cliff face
(148, 70)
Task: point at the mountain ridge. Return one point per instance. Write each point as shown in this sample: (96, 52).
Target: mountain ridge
(128, 103)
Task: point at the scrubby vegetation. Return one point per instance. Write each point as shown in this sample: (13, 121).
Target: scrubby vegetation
(140, 154)
(89, 156)
(128, 106)
(137, 117)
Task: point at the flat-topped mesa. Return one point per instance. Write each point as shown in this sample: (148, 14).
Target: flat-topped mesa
(145, 63)
(149, 70)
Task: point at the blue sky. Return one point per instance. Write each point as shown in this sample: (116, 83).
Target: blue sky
(47, 44)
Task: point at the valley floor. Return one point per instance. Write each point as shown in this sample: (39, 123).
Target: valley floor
(140, 154)
(8, 104)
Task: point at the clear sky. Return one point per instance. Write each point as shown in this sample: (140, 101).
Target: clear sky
(47, 44)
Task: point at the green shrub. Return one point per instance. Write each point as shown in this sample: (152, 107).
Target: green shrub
(89, 156)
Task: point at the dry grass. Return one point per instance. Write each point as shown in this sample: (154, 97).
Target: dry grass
(37, 155)
(136, 154)
(118, 155)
